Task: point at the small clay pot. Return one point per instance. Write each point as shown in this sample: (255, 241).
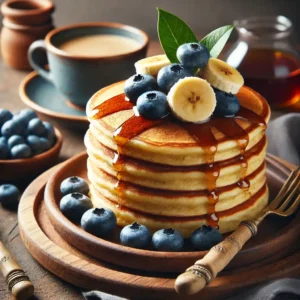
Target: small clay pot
(24, 22)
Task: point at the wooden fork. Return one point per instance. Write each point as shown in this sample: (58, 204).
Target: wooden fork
(196, 277)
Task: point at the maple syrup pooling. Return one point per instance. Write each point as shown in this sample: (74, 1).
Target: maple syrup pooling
(202, 134)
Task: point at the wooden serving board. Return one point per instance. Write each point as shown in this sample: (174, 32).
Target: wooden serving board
(268, 246)
(55, 254)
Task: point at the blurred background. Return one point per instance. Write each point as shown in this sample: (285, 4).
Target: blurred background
(201, 15)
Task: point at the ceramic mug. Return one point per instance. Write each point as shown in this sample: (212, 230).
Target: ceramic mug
(79, 77)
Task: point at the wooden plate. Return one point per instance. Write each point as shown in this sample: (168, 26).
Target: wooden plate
(42, 96)
(56, 255)
(270, 244)
(12, 170)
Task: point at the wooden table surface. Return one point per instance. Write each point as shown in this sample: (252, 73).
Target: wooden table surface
(46, 285)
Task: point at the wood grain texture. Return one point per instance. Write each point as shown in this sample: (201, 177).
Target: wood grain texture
(259, 248)
(55, 254)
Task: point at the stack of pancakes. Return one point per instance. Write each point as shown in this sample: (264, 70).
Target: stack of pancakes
(164, 180)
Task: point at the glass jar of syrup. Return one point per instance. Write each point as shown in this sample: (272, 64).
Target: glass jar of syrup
(267, 57)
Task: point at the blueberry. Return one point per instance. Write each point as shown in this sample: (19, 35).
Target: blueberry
(99, 221)
(193, 55)
(5, 115)
(20, 119)
(3, 140)
(169, 75)
(28, 114)
(36, 127)
(135, 236)
(15, 140)
(205, 238)
(34, 143)
(228, 105)
(45, 144)
(138, 84)
(167, 240)
(4, 151)
(74, 205)
(49, 133)
(20, 151)
(12, 127)
(9, 195)
(153, 105)
(74, 184)
(49, 127)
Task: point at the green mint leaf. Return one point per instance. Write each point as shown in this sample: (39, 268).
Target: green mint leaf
(173, 32)
(216, 40)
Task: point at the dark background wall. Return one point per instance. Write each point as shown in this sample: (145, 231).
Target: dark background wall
(201, 15)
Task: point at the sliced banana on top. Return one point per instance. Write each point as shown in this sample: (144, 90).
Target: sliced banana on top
(151, 65)
(192, 99)
(222, 76)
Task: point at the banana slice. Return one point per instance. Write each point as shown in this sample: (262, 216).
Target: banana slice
(192, 99)
(222, 76)
(151, 65)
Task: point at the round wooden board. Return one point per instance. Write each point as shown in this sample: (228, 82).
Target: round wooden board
(55, 254)
(269, 245)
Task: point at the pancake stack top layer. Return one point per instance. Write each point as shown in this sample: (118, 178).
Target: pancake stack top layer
(168, 173)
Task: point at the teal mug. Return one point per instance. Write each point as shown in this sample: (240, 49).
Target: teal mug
(78, 77)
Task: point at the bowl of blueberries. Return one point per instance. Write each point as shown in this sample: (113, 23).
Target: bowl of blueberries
(27, 144)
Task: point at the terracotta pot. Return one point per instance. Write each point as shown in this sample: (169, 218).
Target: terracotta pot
(24, 22)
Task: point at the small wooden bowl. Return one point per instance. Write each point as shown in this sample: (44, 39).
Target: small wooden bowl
(15, 169)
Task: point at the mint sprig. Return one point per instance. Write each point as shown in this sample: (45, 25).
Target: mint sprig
(173, 32)
(216, 40)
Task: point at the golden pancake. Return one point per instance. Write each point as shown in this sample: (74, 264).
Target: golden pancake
(175, 178)
(168, 173)
(228, 220)
(169, 143)
(170, 203)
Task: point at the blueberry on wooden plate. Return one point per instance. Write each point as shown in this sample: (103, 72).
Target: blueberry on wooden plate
(167, 240)
(138, 84)
(135, 236)
(74, 184)
(33, 141)
(36, 127)
(74, 205)
(12, 127)
(45, 144)
(99, 221)
(15, 140)
(205, 238)
(27, 114)
(9, 195)
(20, 151)
(5, 115)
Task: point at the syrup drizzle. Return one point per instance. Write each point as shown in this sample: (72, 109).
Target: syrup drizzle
(202, 134)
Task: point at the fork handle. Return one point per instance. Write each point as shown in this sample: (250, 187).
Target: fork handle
(196, 277)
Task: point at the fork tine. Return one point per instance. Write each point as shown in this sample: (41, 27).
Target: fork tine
(292, 191)
(278, 199)
(293, 207)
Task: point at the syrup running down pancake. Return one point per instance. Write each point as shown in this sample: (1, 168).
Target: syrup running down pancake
(168, 173)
